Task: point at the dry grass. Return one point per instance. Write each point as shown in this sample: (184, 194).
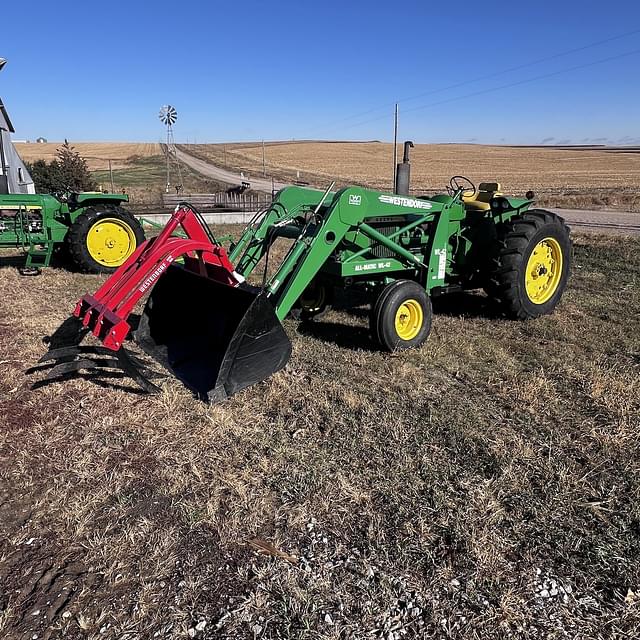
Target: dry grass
(484, 486)
(569, 177)
(138, 168)
(97, 154)
(144, 179)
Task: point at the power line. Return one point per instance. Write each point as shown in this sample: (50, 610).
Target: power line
(498, 88)
(479, 79)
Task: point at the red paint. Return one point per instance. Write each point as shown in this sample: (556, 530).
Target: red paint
(106, 311)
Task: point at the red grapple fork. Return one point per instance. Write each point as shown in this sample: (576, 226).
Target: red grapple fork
(105, 313)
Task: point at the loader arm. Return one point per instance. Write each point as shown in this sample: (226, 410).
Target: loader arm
(319, 239)
(291, 204)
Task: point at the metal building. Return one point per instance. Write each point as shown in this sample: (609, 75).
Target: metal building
(14, 177)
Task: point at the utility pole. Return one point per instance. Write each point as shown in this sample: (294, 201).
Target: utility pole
(395, 147)
(264, 166)
(113, 190)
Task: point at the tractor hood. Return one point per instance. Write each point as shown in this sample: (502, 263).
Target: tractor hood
(90, 196)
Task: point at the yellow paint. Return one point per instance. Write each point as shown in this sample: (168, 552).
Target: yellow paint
(110, 242)
(409, 319)
(543, 271)
(480, 201)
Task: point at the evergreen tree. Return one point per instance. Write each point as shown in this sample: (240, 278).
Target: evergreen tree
(45, 176)
(68, 172)
(73, 168)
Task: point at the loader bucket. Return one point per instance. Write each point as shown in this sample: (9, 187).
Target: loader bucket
(215, 338)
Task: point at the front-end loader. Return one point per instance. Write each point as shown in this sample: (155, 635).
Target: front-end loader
(214, 316)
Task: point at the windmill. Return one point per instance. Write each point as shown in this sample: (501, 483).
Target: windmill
(168, 116)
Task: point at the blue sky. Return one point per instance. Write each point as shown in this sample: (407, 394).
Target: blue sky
(328, 70)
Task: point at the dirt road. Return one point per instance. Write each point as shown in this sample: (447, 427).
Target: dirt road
(594, 221)
(224, 175)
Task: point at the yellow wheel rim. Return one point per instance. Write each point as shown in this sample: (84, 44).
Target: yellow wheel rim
(544, 271)
(110, 242)
(409, 319)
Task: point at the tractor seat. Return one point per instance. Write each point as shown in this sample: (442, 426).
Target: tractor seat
(480, 200)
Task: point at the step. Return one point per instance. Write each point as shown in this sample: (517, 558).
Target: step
(39, 257)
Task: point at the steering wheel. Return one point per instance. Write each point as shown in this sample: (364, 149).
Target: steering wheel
(460, 183)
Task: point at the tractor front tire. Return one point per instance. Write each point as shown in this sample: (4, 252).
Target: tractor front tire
(314, 302)
(102, 238)
(401, 317)
(531, 265)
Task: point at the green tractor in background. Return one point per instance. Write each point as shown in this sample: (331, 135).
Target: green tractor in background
(97, 232)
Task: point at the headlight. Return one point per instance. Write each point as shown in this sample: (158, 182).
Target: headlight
(505, 204)
(495, 204)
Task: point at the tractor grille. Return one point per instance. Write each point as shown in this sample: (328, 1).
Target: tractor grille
(380, 251)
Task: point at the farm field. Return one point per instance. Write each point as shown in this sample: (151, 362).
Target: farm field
(563, 177)
(569, 177)
(138, 168)
(484, 486)
(144, 179)
(97, 154)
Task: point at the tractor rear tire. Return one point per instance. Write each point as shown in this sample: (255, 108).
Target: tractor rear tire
(118, 235)
(531, 265)
(401, 317)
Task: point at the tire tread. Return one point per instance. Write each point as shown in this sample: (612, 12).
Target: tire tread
(514, 240)
(77, 235)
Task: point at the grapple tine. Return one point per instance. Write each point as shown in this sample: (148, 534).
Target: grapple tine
(62, 352)
(67, 356)
(122, 362)
(65, 368)
(128, 365)
(87, 363)
(69, 334)
(73, 351)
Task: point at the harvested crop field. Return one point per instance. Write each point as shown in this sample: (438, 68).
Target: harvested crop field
(97, 154)
(561, 176)
(484, 486)
(139, 169)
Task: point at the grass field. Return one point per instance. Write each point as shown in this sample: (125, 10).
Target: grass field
(577, 177)
(145, 178)
(484, 486)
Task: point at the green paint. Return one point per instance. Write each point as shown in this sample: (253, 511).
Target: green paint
(57, 216)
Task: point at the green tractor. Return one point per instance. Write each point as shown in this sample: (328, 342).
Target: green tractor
(214, 315)
(98, 233)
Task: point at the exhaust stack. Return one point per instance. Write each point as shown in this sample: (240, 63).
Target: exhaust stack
(403, 172)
